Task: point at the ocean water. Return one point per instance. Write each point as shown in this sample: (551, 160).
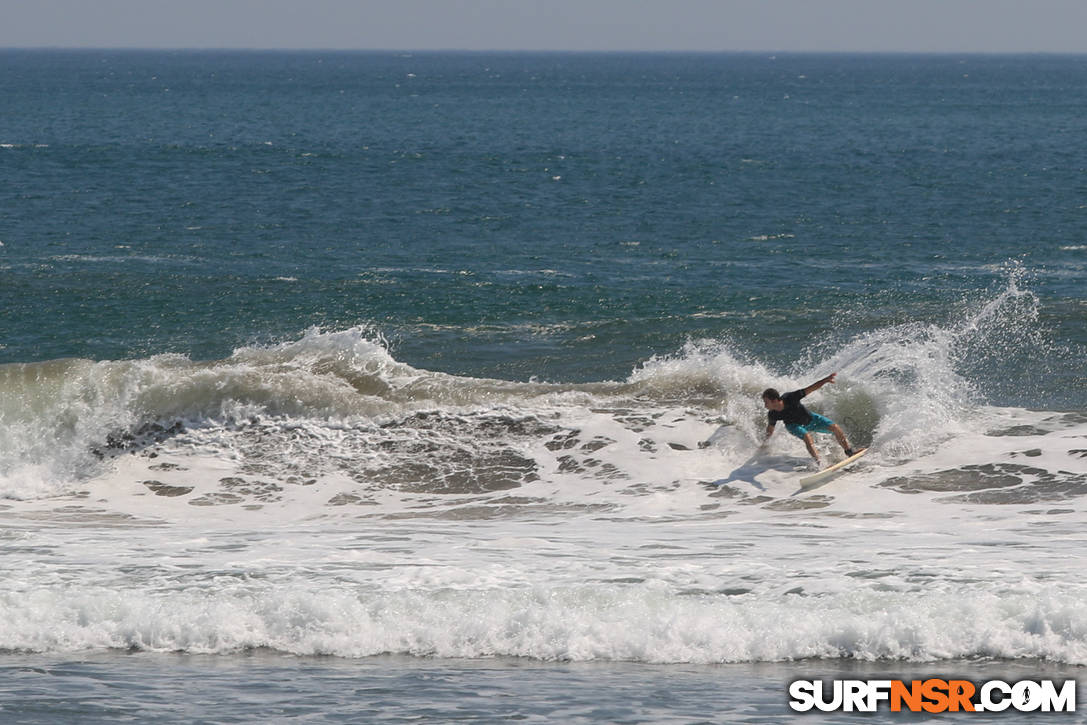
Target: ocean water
(368, 386)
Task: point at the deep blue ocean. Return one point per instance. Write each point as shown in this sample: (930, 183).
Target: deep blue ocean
(453, 323)
(550, 215)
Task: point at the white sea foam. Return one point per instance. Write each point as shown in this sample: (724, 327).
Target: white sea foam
(616, 623)
(321, 496)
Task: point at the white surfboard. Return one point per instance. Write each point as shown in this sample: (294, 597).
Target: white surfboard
(830, 471)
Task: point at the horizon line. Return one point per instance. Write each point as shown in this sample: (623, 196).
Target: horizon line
(556, 51)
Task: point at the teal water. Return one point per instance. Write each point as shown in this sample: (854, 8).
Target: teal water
(558, 216)
(179, 688)
(342, 385)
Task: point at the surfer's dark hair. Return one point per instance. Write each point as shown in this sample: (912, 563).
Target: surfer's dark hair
(771, 394)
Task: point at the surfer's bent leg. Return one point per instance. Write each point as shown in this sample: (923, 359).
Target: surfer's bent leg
(842, 440)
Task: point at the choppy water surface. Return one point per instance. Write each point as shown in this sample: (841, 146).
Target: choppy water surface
(387, 374)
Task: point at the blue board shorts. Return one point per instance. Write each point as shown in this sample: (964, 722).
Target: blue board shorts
(818, 424)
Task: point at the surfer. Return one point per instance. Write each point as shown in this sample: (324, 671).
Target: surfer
(800, 421)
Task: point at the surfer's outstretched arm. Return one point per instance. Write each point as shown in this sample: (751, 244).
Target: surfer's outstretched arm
(769, 432)
(820, 383)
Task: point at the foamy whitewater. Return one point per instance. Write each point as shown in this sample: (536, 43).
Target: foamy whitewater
(360, 387)
(318, 497)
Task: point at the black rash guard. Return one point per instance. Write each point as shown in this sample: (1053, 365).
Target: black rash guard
(793, 413)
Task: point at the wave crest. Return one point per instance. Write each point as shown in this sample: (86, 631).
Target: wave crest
(644, 623)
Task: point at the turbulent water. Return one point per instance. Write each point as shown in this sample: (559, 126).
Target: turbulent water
(407, 359)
